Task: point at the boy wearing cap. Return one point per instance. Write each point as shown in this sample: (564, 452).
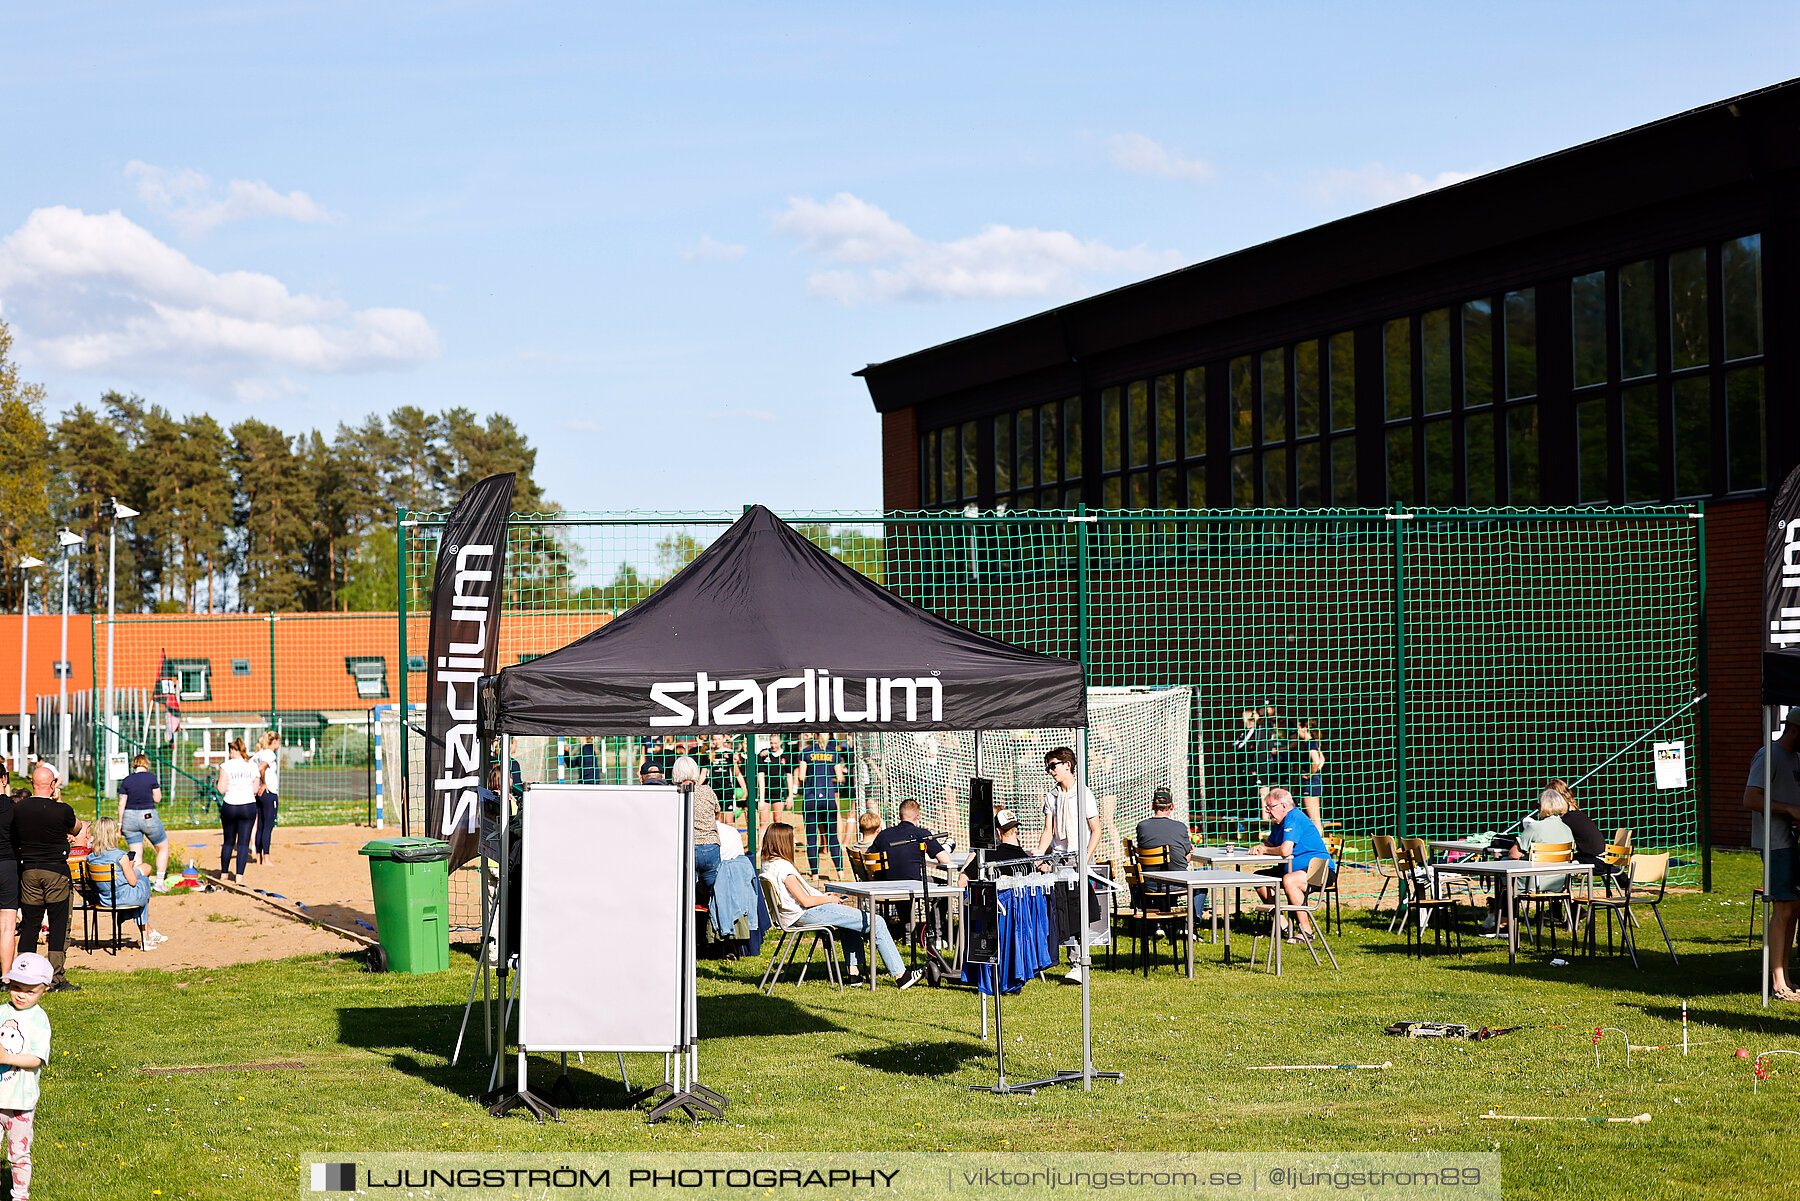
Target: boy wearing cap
(1006, 846)
(24, 1046)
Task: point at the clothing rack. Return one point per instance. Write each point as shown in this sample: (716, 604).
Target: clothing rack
(1002, 875)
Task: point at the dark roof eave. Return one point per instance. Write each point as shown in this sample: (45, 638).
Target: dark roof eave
(1668, 158)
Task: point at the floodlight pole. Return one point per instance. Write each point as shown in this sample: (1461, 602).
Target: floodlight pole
(119, 513)
(64, 726)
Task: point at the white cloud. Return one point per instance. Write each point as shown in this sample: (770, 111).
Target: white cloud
(1374, 183)
(706, 250)
(99, 293)
(185, 197)
(878, 258)
(580, 426)
(1138, 154)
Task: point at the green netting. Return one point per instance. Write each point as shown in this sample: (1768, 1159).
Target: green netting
(1451, 662)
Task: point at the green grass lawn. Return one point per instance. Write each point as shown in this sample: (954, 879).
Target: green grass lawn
(811, 1068)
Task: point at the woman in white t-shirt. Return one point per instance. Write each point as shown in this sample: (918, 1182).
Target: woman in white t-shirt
(237, 808)
(267, 762)
(799, 905)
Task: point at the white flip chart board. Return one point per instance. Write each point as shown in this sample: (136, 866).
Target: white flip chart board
(600, 935)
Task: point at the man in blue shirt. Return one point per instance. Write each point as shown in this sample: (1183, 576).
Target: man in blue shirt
(1293, 834)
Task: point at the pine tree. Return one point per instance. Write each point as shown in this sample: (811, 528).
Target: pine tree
(94, 460)
(275, 508)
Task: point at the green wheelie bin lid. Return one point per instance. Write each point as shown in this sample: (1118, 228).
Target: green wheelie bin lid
(407, 850)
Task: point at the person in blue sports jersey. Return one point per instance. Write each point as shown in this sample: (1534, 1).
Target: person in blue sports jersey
(821, 773)
(1293, 834)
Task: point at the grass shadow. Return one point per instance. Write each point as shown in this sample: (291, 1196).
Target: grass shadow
(919, 1059)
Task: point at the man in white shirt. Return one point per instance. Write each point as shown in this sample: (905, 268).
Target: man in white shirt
(1778, 844)
(1069, 810)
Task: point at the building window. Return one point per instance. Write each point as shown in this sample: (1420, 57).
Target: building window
(370, 674)
(415, 663)
(191, 679)
(1651, 418)
(240, 667)
(1587, 328)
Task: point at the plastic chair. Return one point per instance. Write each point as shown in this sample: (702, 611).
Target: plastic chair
(791, 937)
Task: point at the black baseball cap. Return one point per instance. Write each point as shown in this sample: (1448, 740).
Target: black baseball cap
(1160, 796)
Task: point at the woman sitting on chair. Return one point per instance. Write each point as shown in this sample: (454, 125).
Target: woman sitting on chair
(800, 905)
(1547, 827)
(128, 886)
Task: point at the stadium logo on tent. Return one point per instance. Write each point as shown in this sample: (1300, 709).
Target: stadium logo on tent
(813, 697)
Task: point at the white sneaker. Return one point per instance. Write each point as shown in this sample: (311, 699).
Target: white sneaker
(156, 938)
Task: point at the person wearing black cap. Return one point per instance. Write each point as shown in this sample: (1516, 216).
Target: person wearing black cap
(1006, 846)
(1161, 829)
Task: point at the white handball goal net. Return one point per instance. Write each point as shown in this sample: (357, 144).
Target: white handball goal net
(1138, 741)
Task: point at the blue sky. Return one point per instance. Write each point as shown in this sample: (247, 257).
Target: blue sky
(661, 237)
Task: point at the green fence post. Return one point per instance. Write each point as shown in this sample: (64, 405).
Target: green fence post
(1700, 687)
(405, 669)
(1081, 585)
(1398, 519)
(274, 714)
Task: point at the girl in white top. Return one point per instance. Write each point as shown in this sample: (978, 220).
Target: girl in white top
(267, 762)
(237, 808)
(799, 905)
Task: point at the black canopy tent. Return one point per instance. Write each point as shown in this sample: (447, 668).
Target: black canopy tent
(766, 633)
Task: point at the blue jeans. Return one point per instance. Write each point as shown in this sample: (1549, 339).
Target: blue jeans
(855, 923)
(706, 869)
(268, 807)
(141, 826)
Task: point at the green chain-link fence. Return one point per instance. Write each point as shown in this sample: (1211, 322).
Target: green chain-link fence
(1449, 662)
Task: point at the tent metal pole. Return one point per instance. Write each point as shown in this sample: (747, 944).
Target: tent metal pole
(504, 949)
(1082, 891)
(1768, 837)
(984, 997)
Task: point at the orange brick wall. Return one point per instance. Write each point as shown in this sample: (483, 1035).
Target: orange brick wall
(1734, 578)
(900, 460)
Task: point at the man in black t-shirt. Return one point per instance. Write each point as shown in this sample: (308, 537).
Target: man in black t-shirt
(901, 843)
(1161, 829)
(42, 826)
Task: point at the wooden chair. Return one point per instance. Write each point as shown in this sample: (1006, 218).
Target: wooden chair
(1538, 897)
(1155, 911)
(791, 937)
(1647, 871)
(1387, 869)
(89, 883)
(1316, 875)
(1422, 909)
(859, 868)
(1334, 843)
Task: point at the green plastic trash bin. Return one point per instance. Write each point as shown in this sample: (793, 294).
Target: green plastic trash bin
(411, 879)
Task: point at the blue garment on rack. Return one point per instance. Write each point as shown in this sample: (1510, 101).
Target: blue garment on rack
(1023, 939)
(733, 896)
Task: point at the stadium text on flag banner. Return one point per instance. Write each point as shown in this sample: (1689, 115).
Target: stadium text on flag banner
(1781, 597)
(465, 644)
(1671, 764)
